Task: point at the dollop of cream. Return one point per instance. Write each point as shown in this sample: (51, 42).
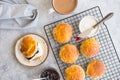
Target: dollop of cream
(40, 52)
(86, 23)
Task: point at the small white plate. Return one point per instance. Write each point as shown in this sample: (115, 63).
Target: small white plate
(87, 22)
(23, 60)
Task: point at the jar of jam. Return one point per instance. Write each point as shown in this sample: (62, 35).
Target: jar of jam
(50, 74)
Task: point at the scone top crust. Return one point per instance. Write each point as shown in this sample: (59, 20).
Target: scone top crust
(28, 46)
(90, 47)
(96, 69)
(74, 72)
(62, 32)
(69, 53)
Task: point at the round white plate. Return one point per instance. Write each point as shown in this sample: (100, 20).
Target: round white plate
(87, 22)
(23, 60)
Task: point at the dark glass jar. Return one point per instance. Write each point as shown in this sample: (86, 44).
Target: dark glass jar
(50, 74)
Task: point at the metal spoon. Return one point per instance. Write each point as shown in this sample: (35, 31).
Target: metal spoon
(45, 78)
(88, 31)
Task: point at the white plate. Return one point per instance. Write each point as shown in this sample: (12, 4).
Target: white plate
(23, 60)
(87, 22)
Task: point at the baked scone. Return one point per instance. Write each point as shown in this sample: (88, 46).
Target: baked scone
(62, 32)
(29, 48)
(90, 47)
(74, 72)
(69, 53)
(95, 69)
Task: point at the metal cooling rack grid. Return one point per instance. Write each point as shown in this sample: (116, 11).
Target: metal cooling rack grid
(107, 51)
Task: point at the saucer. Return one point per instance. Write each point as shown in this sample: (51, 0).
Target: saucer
(45, 49)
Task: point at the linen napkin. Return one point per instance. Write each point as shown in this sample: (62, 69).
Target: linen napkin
(17, 16)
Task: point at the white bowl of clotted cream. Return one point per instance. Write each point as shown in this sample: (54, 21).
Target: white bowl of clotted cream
(87, 22)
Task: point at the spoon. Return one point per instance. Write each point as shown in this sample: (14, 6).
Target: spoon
(45, 78)
(88, 31)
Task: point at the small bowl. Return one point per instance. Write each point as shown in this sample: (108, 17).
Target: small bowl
(87, 22)
(50, 74)
(20, 57)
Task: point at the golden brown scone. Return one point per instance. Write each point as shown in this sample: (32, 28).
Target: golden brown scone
(62, 32)
(90, 47)
(95, 69)
(75, 72)
(28, 46)
(69, 53)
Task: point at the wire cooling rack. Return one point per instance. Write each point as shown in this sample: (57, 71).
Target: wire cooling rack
(107, 52)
